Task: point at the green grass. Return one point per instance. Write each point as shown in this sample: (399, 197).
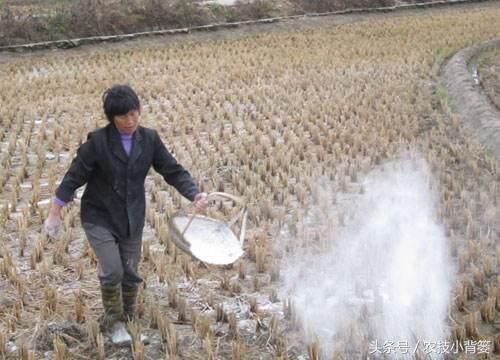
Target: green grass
(442, 94)
(489, 153)
(441, 54)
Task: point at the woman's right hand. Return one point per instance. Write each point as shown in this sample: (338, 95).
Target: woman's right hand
(53, 223)
(201, 202)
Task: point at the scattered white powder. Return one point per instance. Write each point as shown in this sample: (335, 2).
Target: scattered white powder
(211, 241)
(386, 276)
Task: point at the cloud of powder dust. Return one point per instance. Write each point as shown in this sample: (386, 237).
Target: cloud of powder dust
(385, 276)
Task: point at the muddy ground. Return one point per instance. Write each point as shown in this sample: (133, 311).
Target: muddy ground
(475, 106)
(489, 75)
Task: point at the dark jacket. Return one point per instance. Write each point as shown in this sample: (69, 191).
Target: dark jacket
(114, 196)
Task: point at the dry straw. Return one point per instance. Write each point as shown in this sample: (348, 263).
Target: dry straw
(471, 331)
(210, 353)
(3, 344)
(50, 300)
(59, 348)
(101, 353)
(238, 350)
(203, 326)
(155, 315)
(254, 138)
(93, 332)
(138, 348)
(220, 314)
(169, 338)
(181, 309)
(80, 309)
(22, 350)
(313, 350)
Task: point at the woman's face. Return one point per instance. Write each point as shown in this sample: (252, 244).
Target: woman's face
(127, 123)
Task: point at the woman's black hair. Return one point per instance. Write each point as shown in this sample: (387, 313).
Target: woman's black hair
(119, 100)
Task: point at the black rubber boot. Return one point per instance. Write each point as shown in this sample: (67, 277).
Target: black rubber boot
(112, 321)
(129, 296)
(112, 304)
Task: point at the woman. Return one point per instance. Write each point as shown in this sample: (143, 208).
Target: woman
(114, 162)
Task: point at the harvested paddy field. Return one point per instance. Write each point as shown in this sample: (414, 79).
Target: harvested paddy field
(321, 130)
(489, 70)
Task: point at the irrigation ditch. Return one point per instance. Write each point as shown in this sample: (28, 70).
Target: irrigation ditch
(466, 96)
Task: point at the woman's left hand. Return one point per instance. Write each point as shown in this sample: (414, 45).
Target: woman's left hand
(200, 202)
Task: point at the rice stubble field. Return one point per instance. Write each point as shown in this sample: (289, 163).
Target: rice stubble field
(271, 117)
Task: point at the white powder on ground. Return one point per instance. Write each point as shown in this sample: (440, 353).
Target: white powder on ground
(211, 241)
(387, 277)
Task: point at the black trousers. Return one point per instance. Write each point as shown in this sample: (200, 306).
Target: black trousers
(118, 257)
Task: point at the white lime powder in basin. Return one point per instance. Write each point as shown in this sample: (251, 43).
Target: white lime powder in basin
(212, 242)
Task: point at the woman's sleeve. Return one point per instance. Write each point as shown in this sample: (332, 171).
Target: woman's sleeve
(79, 171)
(173, 173)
